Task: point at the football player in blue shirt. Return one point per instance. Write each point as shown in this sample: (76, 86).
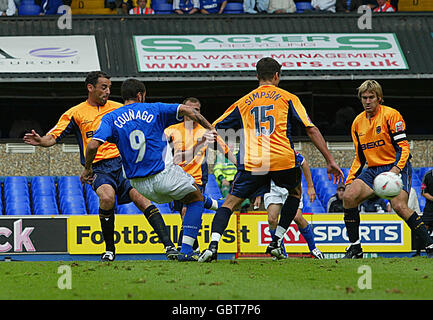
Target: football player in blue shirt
(137, 129)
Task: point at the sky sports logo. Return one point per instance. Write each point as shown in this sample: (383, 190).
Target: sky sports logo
(334, 233)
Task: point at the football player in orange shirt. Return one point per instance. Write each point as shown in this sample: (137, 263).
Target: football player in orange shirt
(266, 152)
(379, 136)
(83, 120)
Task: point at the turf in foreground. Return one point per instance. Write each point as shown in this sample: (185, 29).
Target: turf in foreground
(396, 278)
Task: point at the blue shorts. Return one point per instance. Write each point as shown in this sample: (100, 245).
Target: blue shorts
(248, 185)
(367, 175)
(110, 172)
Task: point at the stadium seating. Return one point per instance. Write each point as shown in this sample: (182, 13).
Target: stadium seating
(44, 195)
(71, 197)
(128, 208)
(162, 7)
(234, 8)
(302, 6)
(43, 198)
(16, 195)
(29, 8)
(92, 200)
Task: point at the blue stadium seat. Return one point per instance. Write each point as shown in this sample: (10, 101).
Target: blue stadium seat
(421, 201)
(234, 8)
(128, 208)
(16, 195)
(162, 7)
(45, 204)
(422, 171)
(42, 186)
(307, 209)
(28, 9)
(318, 174)
(163, 207)
(212, 188)
(302, 6)
(318, 208)
(44, 196)
(71, 196)
(92, 200)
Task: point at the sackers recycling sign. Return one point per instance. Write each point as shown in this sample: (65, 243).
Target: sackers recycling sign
(315, 51)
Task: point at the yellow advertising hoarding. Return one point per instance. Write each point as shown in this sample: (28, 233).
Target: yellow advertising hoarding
(133, 234)
(246, 233)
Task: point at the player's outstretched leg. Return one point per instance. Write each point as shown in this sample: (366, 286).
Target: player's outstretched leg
(219, 224)
(308, 235)
(288, 213)
(212, 204)
(106, 217)
(352, 221)
(191, 226)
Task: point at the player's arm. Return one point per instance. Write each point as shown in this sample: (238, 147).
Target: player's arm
(62, 128)
(223, 148)
(310, 186)
(35, 139)
(194, 115)
(87, 175)
(102, 134)
(316, 137)
(398, 135)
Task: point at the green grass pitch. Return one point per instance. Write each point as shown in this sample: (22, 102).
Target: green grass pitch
(258, 279)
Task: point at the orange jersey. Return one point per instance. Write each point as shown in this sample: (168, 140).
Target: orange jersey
(263, 119)
(188, 140)
(379, 141)
(83, 120)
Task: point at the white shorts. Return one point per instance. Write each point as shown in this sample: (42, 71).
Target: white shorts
(277, 195)
(173, 183)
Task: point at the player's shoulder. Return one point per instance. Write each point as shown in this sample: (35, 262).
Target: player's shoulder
(176, 127)
(389, 111)
(359, 118)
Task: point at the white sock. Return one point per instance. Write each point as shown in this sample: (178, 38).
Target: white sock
(188, 240)
(280, 232)
(215, 236)
(214, 205)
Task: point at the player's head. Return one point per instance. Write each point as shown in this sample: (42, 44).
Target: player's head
(268, 69)
(98, 85)
(192, 102)
(340, 190)
(141, 3)
(133, 90)
(371, 95)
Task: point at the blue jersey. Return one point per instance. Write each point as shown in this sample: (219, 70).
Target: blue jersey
(138, 131)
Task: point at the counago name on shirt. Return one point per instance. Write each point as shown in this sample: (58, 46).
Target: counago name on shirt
(132, 115)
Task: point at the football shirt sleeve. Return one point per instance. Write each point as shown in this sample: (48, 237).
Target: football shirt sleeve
(397, 128)
(169, 114)
(105, 130)
(299, 112)
(64, 126)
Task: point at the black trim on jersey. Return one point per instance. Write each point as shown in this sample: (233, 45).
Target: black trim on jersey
(361, 156)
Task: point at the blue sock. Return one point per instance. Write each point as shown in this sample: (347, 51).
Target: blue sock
(272, 232)
(307, 233)
(207, 201)
(191, 225)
